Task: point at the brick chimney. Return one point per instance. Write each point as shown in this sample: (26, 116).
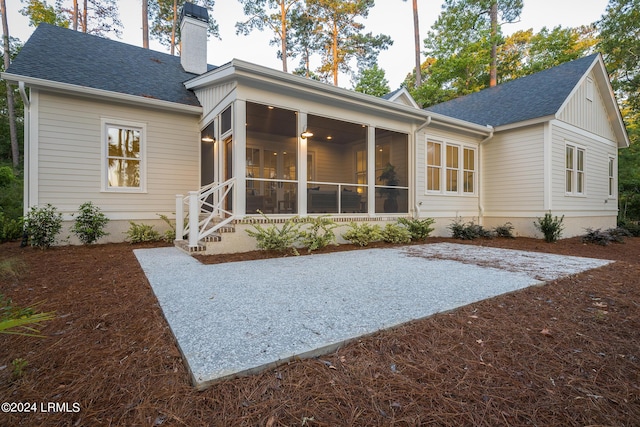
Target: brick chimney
(194, 21)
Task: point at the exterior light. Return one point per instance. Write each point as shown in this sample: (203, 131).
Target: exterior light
(207, 138)
(306, 134)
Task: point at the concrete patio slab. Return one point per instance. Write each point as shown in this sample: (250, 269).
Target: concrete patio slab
(239, 318)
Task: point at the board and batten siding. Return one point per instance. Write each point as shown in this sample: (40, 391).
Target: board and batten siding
(69, 156)
(595, 201)
(513, 172)
(211, 96)
(585, 109)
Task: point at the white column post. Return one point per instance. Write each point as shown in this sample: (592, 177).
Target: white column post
(303, 144)
(239, 157)
(371, 170)
(179, 217)
(194, 219)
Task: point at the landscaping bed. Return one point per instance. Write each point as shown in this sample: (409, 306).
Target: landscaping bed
(566, 353)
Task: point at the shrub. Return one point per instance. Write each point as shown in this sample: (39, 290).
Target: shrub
(319, 234)
(139, 233)
(42, 226)
(170, 235)
(362, 234)
(632, 227)
(272, 238)
(418, 228)
(505, 231)
(89, 224)
(468, 231)
(603, 238)
(551, 227)
(395, 233)
(10, 229)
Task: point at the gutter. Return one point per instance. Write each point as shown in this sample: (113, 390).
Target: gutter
(100, 93)
(23, 94)
(416, 208)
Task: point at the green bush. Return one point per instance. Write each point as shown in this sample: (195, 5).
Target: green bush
(89, 224)
(632, 227)
(319, 233)
(362, 234)
(551, 227)
(504, 231)
(170, 235)
(11, 193)
(10, 229)
(395, 233)
(139, 233)
(274, 238)
(603, 238)
(42, 226)
(419, 229)
(468, 231)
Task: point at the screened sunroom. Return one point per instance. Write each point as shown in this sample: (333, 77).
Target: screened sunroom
(330, 167)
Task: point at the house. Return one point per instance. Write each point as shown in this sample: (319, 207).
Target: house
(142, 133)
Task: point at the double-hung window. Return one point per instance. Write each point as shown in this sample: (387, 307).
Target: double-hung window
(451, 164)
(612, 177)
(574, 169)
(434, 165)
(123, 156)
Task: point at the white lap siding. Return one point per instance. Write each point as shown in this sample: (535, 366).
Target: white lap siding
(69, 144)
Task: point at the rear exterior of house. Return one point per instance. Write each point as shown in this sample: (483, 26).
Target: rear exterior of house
(143, 134)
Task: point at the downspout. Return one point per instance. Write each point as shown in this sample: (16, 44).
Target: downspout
(23, 94)
(416, 208)
(480, 194)
(26, 142)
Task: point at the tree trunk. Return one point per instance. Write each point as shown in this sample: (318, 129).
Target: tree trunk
(416, 32)
(145, 24)
(283, 20)
(84, 17)
(74, 18)
(173, 27)
(335, 65)
(493, 71)
(13, 135)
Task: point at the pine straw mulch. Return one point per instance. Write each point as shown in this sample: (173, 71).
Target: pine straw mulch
(563, 354)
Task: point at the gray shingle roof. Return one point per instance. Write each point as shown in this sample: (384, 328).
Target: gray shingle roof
(66, 56)
(534, 96)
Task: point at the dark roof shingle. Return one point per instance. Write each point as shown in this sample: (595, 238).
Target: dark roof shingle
(530, 97)
(66, 56)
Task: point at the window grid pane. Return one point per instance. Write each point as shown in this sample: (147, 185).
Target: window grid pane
(434, 165)
(123, 157)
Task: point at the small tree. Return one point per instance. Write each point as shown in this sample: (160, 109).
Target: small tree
(550, 226)
(90, 223)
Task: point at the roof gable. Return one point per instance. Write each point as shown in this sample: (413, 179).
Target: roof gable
(401, 96)
(531, 97)
(66, 56)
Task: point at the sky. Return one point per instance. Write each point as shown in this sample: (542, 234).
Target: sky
(391, 17)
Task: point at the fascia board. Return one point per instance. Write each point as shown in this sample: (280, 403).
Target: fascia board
(246, 71)
(100, 93)
(610, 101)
(536, 121)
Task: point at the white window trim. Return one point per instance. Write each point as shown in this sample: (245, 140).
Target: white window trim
(613, 176)
(227, 133)
(443, 168)
(440, 167)
(104, 170)
(574, 170)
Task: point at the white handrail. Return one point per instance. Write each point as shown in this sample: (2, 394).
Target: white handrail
(208, 202)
